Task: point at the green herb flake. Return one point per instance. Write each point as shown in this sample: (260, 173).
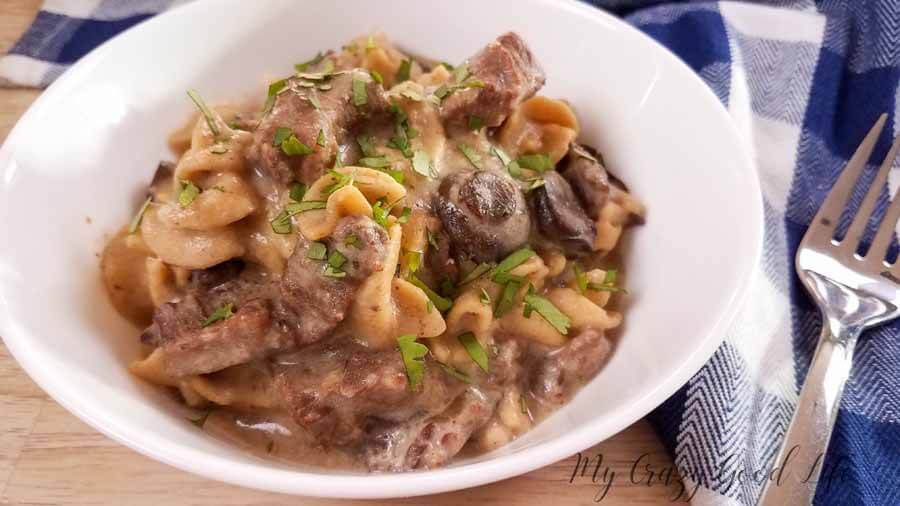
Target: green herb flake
(535, 184)
(505, 277)
(314, 100)
(207, 113)
(514, 169)
(460, 73)
(485, 297)
(320, 139)
(380, 212)
(432, 239)
(442, 92)
(315, 60)
(367, 146)
(281, 134)
(523, 406)
(456, 373)
(446, 65)
(470, 154)
(360, 94)
(413, 354)
(136, 221)
(188, 193)
(333, 272)
(293, 147)
(441, 303)
(475, 122)
(404, 215)
(397, 175)
(538, 162)
(336, 259)
(556, 318)
(475, 273)
(353, 240)
(514, 260)
(293, 208)
(581, 281)
(374, 162)
(608, 284)
(507, 298)
(370, 43)
(421, 163)
(474, 349)
(403, 71)
(376, 76)
(317, 251)
(413, 260)
(281, 224)
(340, 180)
(222, 313)
(274, 89)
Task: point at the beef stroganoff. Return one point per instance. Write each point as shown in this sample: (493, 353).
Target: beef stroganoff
(387, 264)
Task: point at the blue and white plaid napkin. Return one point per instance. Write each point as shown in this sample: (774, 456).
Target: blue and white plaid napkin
(803, 80)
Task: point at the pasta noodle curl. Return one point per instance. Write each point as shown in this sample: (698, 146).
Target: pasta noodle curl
(540, 125)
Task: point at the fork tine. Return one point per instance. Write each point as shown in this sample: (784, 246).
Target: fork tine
(878, 249)
(864, 215)
(831, 209)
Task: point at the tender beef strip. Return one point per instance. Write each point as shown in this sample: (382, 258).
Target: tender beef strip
(427, 443)
(560, 217)
(559, 373)
(245, 336)
(336, 388)
(439, 260)
(312, 304)
(484, 213)
(335, 117)
(204, 280)
(173, 320)
(510, 75)
(588, 178)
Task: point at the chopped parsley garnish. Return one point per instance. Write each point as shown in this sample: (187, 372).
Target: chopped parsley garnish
(314, 100)
(332, 272)
(136, 221)
(446, 90)
(499, 153)
(315, 60)
(301, 207)
(380, 212)
(446, 66)
(320, 139)
(336, 259)
(274, 89)
(581, 281)
(535, 184)
(432, 239)
(396, 174)
(367, 146)
(289, 143)
(474, 349)
(222, 313)
(513, 260)
(188, 193)
(475, 122)
(370, 43)
(470, 154)
(421, 163)
(281, 224)
(353, 240)
(475, 273)
(340, 180)
(608, 284)
(456, 373)
(485, 297)
(514, 169)
(538, 162)
(360, 94)
(429, 306)
(281, 135)
(523, 406)
(403, 71)
(404, 215)
(556, 318)
(376, 76)
(507, 298)
(413, 260)
(207, 113)
(317, 251)
(402, 131)
(374, 162)
(413, 354)
(442, 92)
(460, 73)
(505, 277)
(441, 303)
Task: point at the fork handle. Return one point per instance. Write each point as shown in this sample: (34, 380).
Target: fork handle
(800, 461)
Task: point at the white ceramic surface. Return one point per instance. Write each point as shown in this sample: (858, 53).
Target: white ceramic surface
(89, 145)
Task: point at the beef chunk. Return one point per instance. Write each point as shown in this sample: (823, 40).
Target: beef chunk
(561, 372)
(335, 117)
(439, 260)
(510, 75)
(560, 217)
(312, 304)
(173, 320)
(426, 443)
(243, 337)
(336, 388)
(484, 213)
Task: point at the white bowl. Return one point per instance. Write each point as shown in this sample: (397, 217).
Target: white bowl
(89, 145)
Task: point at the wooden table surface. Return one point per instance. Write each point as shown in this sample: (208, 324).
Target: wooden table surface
(48, 456)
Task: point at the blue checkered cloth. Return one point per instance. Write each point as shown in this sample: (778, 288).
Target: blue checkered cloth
(803, 80)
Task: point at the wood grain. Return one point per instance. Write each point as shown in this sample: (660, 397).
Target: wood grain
(48, 456)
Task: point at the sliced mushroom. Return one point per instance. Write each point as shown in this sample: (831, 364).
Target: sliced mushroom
(588, 178)
(484, 213)
(560, 217)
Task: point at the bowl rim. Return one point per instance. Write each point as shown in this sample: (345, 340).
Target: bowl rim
(336, 485)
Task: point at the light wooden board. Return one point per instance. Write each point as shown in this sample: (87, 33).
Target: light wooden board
(48, 456)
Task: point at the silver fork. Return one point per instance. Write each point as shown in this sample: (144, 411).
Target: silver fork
(853, 293)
